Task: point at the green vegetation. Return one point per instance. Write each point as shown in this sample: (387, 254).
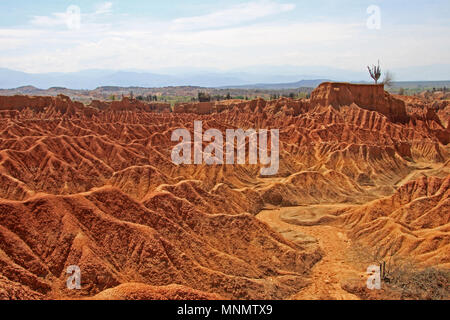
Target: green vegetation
(204, 97)
(412, 91)
(191, 94)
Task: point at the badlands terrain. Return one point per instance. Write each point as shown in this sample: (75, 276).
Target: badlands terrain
(364, 178)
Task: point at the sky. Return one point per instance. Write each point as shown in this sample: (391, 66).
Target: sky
(68, 36)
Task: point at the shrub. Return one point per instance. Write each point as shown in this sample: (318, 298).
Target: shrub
(204, 97)
(402, 277)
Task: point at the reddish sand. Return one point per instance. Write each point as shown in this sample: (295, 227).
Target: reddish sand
(95, 186)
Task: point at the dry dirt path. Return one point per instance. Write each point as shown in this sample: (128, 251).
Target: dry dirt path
(425, 169)
(327, 275)
(412, 176)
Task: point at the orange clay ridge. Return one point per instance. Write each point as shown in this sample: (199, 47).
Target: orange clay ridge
(94, 186)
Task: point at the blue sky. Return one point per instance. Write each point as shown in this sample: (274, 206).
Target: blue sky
(41, 36)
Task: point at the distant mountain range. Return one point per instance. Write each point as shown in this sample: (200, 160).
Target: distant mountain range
(276, 86)
(91, 79)
(264, 77)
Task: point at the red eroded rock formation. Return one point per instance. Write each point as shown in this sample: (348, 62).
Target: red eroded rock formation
(413, 222)
(200, 108)
(370, 97)
(127, 104)
(140, 291)
(60, 105)
(116, 240)
(95, 186)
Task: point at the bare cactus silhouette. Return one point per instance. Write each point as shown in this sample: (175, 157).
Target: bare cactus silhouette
(375, 72)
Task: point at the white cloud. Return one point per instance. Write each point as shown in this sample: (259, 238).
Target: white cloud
(156, 46)
(105, 7)
(54, 20)
(234, 15)
(71, 17)
(219, 40)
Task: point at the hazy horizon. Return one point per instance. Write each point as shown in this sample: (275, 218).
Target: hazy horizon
(266, 76)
